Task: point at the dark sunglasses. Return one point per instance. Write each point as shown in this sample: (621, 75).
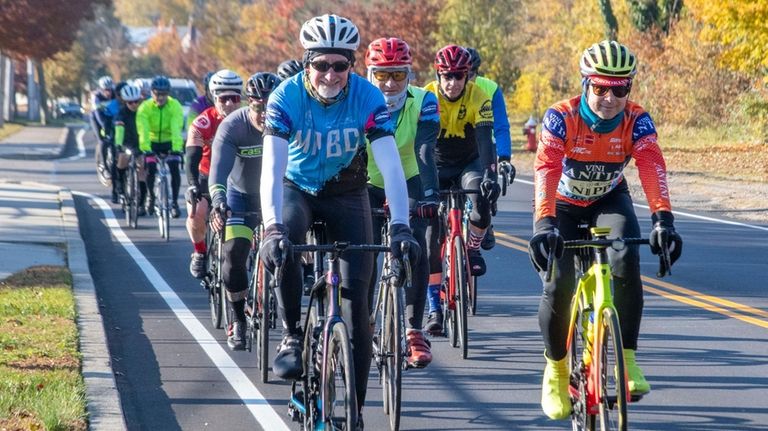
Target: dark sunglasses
(384, 76)
(234, 98)
(324, 66)
(132, 102)
(160, 93)
(458, 76)
(602, 90)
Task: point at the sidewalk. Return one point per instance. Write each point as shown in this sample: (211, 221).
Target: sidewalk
(40, 227)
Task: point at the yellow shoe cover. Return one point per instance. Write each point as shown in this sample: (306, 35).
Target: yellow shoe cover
(637, 383)
(555, 400)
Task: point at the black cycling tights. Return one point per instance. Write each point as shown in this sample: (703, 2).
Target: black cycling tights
(347, 218)
(614, 211)
(173, 166)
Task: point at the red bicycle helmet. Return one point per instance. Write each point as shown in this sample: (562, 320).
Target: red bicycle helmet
(452, 58)
(385, 52)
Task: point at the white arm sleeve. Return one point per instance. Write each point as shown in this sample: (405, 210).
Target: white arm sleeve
(387, 159)
(273, 164)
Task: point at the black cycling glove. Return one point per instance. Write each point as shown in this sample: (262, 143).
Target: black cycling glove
(270, 251)
(663, 235)
(538, 246)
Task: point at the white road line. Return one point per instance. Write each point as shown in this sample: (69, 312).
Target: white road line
(734, 223)
(264, 414)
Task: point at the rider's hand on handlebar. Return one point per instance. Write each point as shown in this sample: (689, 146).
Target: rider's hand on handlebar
(489, 187)
(271, 253)
(506, 169)
(400, 233)
(426, 209)
(664, 240)
(219, 216)
(539, 247)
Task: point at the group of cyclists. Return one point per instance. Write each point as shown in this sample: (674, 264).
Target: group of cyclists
(317, 142)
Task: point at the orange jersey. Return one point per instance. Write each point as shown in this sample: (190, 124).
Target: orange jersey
(578, 166)
(201, 134)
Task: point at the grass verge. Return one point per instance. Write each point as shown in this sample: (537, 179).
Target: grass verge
(9, 129)
(40, 382)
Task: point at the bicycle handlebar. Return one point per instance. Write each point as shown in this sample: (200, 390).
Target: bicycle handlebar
(617, 244)
(412, 212)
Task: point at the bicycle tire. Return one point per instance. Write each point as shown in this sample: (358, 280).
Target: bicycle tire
(166, 210)
(380, 347)
(126, 201)
(212, 276)
(447, 295)
(311, 375)
(462, 287)
(338, 383)
(264, 318)
(251, 316)
(581, 420)
(473, 295)
(393, 353)
(134, 198)
(612, 374)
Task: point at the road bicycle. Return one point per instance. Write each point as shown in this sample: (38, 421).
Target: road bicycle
(599, 386)
(131, 198)
(105, 162)
(261, 306)
(389, 347)
(163, 193)
(458, 284)
(324, 398)
(213, 282)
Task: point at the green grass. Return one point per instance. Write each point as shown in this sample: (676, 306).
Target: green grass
(40, 382)
(9, 129)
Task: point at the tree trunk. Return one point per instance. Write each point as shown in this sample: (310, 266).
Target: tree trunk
(44, 111)
(611, 25)
(33, 102)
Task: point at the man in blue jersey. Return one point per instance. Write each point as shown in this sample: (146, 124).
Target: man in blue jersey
(315, 168)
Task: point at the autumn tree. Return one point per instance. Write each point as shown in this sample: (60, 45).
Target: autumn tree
(40, 29)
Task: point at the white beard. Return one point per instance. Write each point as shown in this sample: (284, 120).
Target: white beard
(328, 92)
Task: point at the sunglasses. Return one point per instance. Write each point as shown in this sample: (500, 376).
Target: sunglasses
(601, 90)
(132, 102)
(233, 98)
(457, 76)
(324, 66)
(160, 94)
(384, 76)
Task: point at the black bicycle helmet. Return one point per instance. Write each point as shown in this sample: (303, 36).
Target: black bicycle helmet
(260, 85)
(474, 58)
(161, 83)
(289, 68)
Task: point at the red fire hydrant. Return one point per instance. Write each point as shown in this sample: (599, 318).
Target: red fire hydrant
(529, 130)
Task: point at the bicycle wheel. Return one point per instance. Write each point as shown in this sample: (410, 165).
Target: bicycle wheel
(581, 419)
(462, 286)
(263, 313)
(612, 374)
(133, 198)
(159, 209)
(338, 383)
(473, 295)
(392, 343)
(166, 209)
(310, 379)
(212, 278)
(448, 296)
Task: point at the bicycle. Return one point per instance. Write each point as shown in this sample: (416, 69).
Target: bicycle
(163, 194)
(457, 283)
(598, 378)
(213, 282)
(131, 194)
(261, 306)
(324, 397)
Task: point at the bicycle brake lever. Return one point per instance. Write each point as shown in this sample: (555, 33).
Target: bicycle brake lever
(665, 264)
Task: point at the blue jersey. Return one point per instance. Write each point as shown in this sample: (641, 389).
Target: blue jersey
(327, 143)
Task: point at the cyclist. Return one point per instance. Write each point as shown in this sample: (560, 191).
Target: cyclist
(415, 113)
(289, 68)
(202, 102)
(500, 128)
(101, 120)
(317, 122)
(465, 155)
(234, 184)
(226, 87)
(159, 121)
(586, 142)
(126, 136)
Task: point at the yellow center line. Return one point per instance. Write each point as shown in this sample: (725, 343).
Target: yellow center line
(745, 313)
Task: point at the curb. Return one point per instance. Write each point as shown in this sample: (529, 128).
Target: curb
(102, 398)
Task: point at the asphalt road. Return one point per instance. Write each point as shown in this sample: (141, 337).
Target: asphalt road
(703, 340)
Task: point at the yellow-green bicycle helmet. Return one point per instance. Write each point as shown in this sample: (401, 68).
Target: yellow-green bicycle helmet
(608, 58)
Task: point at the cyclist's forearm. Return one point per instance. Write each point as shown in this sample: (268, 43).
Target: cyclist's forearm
(192, 164)
(426, 138)
(501, 126)
(387, 159)
(274, 163)
(485, 146)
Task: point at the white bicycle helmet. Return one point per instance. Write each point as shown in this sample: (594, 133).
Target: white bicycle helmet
(329, 31)
(225, 81)
(105, 83)
(130, 93)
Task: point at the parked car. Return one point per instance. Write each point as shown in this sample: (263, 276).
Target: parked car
(68, 109)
